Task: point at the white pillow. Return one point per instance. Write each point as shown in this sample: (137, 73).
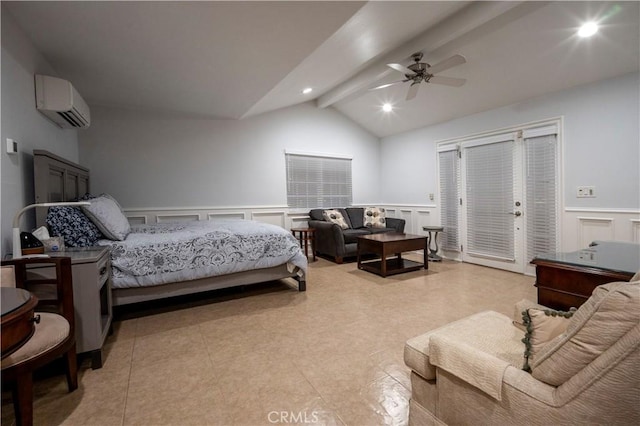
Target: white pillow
(374, 217)
(334, 216)
(105, 212)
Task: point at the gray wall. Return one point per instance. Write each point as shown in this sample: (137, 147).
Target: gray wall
(22, 122)
(148, 160)
(601, 145)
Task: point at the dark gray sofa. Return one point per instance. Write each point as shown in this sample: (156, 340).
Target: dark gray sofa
(338, 243)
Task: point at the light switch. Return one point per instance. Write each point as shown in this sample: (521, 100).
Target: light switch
(12, 146)
(586, 192)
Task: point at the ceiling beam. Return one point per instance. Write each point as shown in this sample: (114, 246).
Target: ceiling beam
(462, 22)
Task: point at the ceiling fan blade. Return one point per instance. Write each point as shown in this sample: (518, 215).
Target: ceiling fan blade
(401, 68)
(387, 85)
(413, 91)
(446, 64)
(447, 81)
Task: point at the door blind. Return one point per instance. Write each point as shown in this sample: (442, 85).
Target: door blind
(541, 194)
(449, 199)
(489, 200)
(314, 182)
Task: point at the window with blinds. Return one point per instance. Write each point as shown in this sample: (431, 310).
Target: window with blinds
(449, 199)
(541, 194)
(489, 198)
(314, 182)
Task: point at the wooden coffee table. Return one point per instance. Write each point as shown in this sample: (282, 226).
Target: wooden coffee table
(387, 244)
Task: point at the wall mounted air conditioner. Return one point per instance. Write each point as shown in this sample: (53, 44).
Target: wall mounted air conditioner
(61, 103)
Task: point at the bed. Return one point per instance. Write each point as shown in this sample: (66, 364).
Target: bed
(169, 259)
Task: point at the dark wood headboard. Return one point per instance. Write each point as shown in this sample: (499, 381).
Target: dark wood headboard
(56, 179)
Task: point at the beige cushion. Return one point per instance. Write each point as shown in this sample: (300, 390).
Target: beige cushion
(52, 330)
(334, 216)
(416, 356)
(636, 277)
(374, 217)
(542, 326)
(612, 310)
(496, 326)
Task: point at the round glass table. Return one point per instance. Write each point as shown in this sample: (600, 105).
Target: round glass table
(17, 323)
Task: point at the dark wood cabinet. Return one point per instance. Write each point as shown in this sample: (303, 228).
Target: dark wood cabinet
(566, 280)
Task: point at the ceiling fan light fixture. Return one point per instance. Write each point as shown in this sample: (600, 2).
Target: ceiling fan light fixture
(307, 90)
(421, 72)
(588, 29)
(387, 107)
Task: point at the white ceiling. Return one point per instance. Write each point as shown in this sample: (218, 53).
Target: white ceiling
(237, 59)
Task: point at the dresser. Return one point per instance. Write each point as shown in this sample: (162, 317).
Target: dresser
(91, 269)
(566, 280)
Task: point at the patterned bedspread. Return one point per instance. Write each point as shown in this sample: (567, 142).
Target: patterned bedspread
(169, 252)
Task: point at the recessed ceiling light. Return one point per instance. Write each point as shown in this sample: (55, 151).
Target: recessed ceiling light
(387, 107)
(588, 29)
(307, 90)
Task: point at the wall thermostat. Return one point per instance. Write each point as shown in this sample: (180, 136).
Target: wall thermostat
(12, 146)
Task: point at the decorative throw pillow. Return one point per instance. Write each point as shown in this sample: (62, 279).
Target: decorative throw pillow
(609, 317)
(542, 326)
(518, 311)
(73, 225)
(374, 217)
(334, 216)
(105, 212)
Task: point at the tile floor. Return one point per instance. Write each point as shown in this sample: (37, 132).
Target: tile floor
(272, 355)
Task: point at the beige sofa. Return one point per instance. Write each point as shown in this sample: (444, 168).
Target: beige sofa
(470, 371)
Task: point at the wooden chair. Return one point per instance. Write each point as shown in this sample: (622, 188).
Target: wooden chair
(54, 335)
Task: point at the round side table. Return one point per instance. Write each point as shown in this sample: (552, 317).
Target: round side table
(306, 236)
(433, 253)
(18, 320)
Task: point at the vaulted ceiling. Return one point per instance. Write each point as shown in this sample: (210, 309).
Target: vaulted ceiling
(238, 59)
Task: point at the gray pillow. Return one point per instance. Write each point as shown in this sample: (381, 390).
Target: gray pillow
(105, 213)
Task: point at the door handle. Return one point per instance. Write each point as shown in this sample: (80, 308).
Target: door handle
(516, 213)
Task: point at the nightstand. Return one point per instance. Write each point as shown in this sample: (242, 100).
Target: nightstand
(91, 268)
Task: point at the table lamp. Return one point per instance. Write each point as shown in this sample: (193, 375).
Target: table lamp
(17, 248)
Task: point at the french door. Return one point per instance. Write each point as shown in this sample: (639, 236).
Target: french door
(507, 187)
(491, 199)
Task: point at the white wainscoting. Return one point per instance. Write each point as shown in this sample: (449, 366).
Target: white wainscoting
(276, 215)
(226, 215)
(273, 217)
(579, 226)
(415, 216)
(174, 217)
(582, 226)
(635, 229)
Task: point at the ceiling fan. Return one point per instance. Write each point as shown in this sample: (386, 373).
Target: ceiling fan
(419, 72)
